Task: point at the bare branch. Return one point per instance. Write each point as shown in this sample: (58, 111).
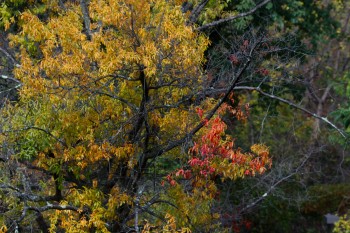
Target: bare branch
(6, 186)
(324, 119)
(61, 4)
(10, 57)
(50, 206)
(325, 93)
(86, 17)
(26, 196)
(196, 12)
(12, 79)
(241, 15)
(134, 107)
(274, 185)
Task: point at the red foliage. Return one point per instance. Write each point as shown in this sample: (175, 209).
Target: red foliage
(199, 112)
(215, 147)
(263, 72)
(245, 43)
(234, 59)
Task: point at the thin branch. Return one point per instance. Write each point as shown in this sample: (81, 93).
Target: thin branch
(6, 186)
(189, 135)
(50, 206)
(211, 113)
(86, 17)
(146, 208)
(324, 119)
(196, 12)
(10, 57)
(313, 96)
(273, 186)
(241, 15)
(42, 223)
(325, 93)
(12, 79)
(61, 4)
(7, 91)
(134, 107)
(37, 128)
(154, 214)
(25, 196)
(48, 133)
(263, 121)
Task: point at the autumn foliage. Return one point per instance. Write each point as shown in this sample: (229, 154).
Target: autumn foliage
(214, 155)
(108, 90)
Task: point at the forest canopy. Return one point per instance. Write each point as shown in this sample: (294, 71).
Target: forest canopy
(170, 115)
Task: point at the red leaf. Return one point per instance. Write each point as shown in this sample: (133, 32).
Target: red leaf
(199, 112)
(233, 58)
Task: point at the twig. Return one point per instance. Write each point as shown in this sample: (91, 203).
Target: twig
(215, 23)
(324, 119)
(12, 79)
(273, 186)
(10, 57)
(196, 12)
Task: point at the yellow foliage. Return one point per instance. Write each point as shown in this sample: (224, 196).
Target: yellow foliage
(343, 225)
(3, 229)
(260, 149)
(85, 95)
(169, 227)
(194, 206)
(74, 222)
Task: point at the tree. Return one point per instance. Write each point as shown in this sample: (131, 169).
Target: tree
(125, 111)
(111, 91)
(301, 160)
(320, 79)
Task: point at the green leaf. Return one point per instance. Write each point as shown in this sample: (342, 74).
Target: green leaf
(269, 6)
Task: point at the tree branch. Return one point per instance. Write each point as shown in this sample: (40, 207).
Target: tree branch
(324, 119)
(40, 129)
(12, 79)
(211, 113)
(86, 17)
(196, 12)
(61, 4)
(274, 185)
(10, 57)
(241, 15)
(50, 206)
(189, 135)
(25, 196)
